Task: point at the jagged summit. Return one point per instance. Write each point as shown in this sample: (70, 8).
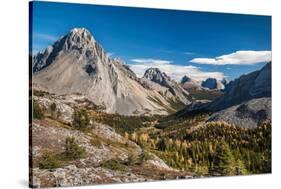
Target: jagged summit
(77, 63)
(80, 31)
(210, 83)
(78, 41)
(185, 79)
(80, 38)
(214, 84)
(155, 75)
(190, 83)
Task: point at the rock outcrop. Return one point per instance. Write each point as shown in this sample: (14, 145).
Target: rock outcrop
(101, 142)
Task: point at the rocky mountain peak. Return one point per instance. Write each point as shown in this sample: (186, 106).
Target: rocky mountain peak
(77, 63)
(210, 83)
(185, 79)
(78, 41)
(155, 75)
(214, 84)
(79, 38)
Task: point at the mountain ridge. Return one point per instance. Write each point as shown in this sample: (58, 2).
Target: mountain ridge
(250, 94)
(77, 63)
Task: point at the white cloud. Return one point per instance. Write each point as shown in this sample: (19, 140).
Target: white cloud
(139, 66)
(151, 61)
(237, 58)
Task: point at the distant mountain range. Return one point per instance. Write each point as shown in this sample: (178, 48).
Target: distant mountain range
(210, 83)
(77, 63)
(246, 100)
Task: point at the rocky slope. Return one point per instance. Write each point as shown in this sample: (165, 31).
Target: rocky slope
(189, 83)
(102, 143)
(199, 92)
(248, 115)
(76, 63)
(209, 83)
(245, 102)
(174, 90)
(253, 85)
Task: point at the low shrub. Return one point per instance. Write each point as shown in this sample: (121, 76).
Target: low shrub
(37, 111)
(80, 119)
(73, 150)
(50, 160)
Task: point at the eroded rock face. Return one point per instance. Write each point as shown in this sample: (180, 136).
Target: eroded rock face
(175, 91)
(155, 75)
(76, 63)
(253, 85)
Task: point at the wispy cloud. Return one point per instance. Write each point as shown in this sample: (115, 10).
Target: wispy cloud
(150, 61)
(189, 53)
(237, 58)
(46, 37)
(175, 71)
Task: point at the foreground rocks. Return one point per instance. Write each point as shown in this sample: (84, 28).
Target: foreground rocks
(74, 176)
(102, 143)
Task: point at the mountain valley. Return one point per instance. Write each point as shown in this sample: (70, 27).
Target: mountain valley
(94, 121)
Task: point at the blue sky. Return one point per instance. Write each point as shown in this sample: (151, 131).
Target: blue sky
(180, 43)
